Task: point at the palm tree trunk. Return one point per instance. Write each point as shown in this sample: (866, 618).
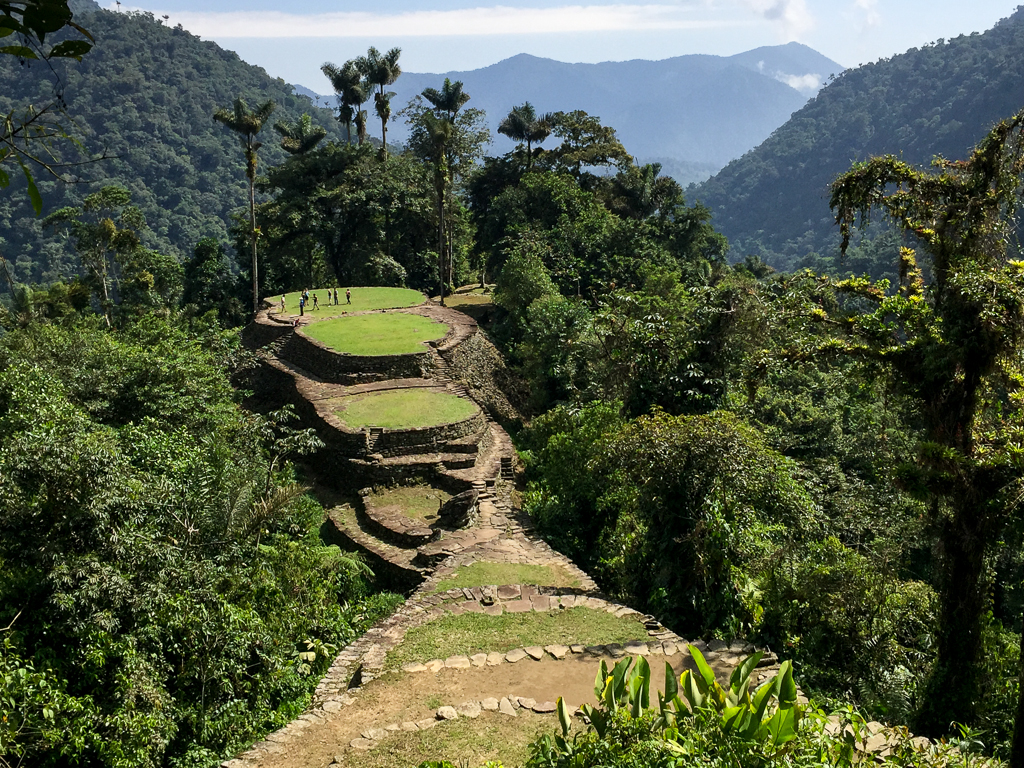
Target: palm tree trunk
(440, 242)
(252, 235)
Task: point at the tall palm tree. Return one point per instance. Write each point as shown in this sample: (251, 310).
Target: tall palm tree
(247, 123)
(351, 91)
(439, 132)
(523, 125)
(446, 103)
(381, 70)
(299, 137)
(449, 100)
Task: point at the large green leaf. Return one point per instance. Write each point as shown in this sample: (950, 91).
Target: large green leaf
(743, 671)
(702, 666)
(671, 686)
(564, 718)
(786, 685)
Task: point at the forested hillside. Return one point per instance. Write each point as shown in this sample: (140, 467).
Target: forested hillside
(144, 97)
(936, 100)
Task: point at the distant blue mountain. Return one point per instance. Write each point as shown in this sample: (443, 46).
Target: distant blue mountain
(692, 113)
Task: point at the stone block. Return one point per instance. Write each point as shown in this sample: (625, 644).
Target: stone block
(458, 662)
(434, 665)
(489, 704)
(470, 709)
(516, 654)
(447, 713)
(535, 652)
(363, 745)
(427, 723)
(495, 659)
(414, 668)
(557, 651)
(478, 659)
(526, 703)
(518, 606)
(544, 707)
(506, 708)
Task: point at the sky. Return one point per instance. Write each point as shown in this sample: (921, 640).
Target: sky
(292, 40)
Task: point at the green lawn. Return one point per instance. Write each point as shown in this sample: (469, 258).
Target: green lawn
(472, 633)
(363, 299)
(419, 502)
(482, 573)
(403, 409)
(382, 333)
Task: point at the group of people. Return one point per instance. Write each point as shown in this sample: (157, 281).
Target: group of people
(305, 296)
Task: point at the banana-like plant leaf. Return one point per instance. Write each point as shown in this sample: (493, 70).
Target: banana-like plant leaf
(702, 666)
(762, 698)
(598, 718)
(643, 670)
(732, 717)
(671, 686)
(739, 696)
(743, 670)
(692, 689)
(786, 685)
(601, 680)
(781, 728)
(619, 678)
(564, 718)
(608, 696)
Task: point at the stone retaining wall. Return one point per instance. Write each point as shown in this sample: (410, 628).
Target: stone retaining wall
(329, 365)
(264, 331)
(402, 442)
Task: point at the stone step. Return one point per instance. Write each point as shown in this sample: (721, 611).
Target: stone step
(392, 565)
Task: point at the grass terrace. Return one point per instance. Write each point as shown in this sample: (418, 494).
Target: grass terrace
(403, 409)
(385, 333)
(482, 573)
(363, 300)
(471, 633)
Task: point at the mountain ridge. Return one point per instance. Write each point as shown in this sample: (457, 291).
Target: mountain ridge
(695, 110)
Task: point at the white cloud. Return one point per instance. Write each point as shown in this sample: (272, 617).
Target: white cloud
(495, 20)
(871, 15)
(803, 83)
(792, 17)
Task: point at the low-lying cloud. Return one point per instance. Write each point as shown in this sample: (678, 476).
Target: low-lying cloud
(494, 20)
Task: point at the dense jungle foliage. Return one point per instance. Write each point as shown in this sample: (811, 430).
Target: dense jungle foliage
(143, 98)
(830, 467)
(937, 100)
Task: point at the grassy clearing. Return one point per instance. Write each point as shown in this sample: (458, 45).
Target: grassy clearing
(479, 574)
(403, 409)
(475, 633)
(363, 299)
(391, 333)
(464, 742)
(419, 502)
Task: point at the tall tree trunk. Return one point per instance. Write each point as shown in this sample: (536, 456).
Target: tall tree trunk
(1017, 748)
(252, 235)
(440, 242)
(953, 686)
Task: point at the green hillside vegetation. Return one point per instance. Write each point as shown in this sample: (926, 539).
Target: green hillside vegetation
(829, 467)
(143, 97)
(937, 100)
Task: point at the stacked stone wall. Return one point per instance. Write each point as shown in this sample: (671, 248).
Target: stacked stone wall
(329, 365)
(402, 442)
